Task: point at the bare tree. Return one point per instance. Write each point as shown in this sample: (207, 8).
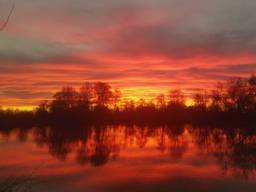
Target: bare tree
(200, 100)
(87, 94)
(237, 89)
(65, 100)
(117, 94)
(176, 97)
(160, 100)
(6, 21)
(103, 93)
(217, 97)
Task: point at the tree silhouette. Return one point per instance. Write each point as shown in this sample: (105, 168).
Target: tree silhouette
(217, 98)
(116, 97)
(200, 100)
(176, 97)
(160, 101)
(238, 97)
(87, 95)
(65, 100)
(99, 103)
(103, 93)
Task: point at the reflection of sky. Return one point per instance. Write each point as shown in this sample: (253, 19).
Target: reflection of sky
(144, 47)
(134, 169)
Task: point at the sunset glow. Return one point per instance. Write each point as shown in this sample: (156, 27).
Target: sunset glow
(143, 47)
(128, 95)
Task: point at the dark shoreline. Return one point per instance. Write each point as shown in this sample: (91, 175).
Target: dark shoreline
(9, 120)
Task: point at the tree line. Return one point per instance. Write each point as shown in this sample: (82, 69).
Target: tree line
(99, 102)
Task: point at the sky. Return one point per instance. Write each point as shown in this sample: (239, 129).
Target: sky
(143, 47)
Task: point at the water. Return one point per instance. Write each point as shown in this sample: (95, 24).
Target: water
(130, 158)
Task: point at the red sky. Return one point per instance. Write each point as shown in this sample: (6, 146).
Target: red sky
(144, 47)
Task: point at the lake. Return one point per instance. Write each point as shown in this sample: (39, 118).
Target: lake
(128, 158)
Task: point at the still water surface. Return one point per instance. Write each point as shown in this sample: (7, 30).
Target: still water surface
(131, 158)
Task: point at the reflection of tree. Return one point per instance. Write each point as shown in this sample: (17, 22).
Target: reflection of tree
(94, 145)
(141, 136)
(178, 147)
(240, 155)
(175, 141)
(82, 155)
(161, 139)
(101, 155)
(234, 148)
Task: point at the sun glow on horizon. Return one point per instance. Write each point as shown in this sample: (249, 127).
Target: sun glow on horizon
(20, 108)
(136, 100)
(135, 95)
(189, 102)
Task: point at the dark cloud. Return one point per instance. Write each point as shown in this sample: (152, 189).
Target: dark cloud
(167, 40)
(14, 50)
(20, 94)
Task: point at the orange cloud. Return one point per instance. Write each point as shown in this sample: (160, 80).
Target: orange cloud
(143, 48)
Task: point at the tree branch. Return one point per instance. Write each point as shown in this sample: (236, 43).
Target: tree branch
(3, 26)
